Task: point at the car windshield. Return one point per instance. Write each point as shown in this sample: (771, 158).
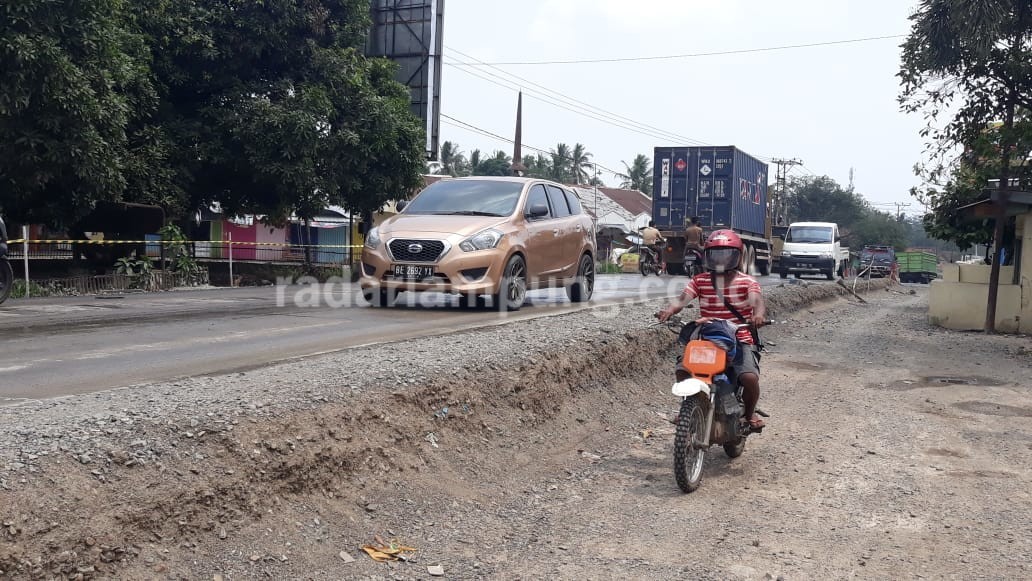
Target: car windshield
(467, 198)
(806, 234)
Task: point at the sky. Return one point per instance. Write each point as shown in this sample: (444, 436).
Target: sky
(833, 107)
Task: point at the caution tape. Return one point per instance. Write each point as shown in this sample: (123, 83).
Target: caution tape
(229, 242)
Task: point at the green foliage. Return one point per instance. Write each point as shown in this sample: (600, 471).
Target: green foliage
(580, 164)
(638, 175)
(970, 62)
(72, 75)
(499, 165)
(266, 107)
(822, 199)
(562, 164)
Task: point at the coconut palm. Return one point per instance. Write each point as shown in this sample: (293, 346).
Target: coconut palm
(561, 163)
(453, 161)
(638, 175)
(580, 164)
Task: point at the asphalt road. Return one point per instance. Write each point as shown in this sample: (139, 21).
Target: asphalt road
(62, 346)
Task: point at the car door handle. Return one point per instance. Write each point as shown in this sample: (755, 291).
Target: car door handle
(555, 231)
(579, 228)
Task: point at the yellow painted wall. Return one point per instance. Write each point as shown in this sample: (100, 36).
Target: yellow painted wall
(958, 300)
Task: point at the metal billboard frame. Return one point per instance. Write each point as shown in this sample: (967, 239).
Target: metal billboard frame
(409, 32)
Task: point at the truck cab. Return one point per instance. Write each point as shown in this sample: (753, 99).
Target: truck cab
(877, 259)
(813, 248)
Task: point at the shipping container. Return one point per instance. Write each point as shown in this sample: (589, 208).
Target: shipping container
(721, 185)
(724, 186)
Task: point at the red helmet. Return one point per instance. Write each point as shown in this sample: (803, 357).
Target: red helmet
(723, 251)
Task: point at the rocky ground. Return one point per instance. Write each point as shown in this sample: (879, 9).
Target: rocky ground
(540, 450)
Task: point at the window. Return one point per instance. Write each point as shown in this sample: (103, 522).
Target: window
(574, 203)
(467, 197)
(809, 234)
(559, 207)
(537, 196)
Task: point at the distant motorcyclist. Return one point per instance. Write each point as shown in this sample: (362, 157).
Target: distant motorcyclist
(726, 293)
(653, 240)
(693, 236)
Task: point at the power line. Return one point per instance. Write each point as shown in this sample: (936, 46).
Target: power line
(690, 55)
(469, 127)
(570, 99)
(607, 118)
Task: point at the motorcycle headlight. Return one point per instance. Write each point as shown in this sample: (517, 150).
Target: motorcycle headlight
(481, 241)
(372, 239)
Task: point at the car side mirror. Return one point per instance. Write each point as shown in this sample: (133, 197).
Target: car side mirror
(537, 211)
(401, 205)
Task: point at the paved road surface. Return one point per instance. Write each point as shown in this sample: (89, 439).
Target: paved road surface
(61, 346)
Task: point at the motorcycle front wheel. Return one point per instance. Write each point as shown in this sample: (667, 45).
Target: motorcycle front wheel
(687, 458)
(6, 279)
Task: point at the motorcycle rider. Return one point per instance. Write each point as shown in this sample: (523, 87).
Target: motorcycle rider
(724, 292)
(653, 240)
(693, 236)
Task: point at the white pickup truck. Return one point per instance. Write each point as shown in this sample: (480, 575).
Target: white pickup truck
(813, 248)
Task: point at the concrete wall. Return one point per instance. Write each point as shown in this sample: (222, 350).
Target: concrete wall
(958, 300)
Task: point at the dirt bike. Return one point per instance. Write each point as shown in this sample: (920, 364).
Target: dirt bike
(711, 408)
(693, 262)
(6, 273)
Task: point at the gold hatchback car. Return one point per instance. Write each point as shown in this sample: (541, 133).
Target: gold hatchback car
(478, 237)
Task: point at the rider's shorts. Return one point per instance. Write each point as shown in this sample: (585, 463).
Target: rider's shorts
(747, 360)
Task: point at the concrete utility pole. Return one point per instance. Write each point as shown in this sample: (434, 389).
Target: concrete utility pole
(899, 209)
(779, 205)
(518, 169)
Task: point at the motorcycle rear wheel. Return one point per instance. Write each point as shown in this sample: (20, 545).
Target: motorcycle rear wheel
(6, 279)
(687, 459)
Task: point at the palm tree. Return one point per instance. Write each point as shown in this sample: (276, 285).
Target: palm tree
(474, 161)
(561, 163)
(452, 160)
(639, 174)
(580, 164)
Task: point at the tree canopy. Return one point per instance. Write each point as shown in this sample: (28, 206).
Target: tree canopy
(268, 108)
(967, 66)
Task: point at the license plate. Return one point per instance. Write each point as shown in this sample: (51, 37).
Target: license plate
(413, 272)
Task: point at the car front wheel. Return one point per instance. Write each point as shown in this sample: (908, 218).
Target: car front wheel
(512, 292)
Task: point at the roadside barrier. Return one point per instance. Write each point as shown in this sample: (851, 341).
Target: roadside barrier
(24, 249)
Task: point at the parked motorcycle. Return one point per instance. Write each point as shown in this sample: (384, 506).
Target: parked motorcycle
(6, 273)
(711, 405)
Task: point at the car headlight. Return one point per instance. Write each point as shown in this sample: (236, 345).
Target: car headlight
(786, 254)
(481, 241)
(826, 255)
(372, 239)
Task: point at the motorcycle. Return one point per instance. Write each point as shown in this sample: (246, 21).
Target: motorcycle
(6, 273)
(692, 262)
(711, 405)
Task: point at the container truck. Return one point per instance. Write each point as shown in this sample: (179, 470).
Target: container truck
(724, 187)
(917, 266)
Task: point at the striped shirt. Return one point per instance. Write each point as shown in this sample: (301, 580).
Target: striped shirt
(711, 305)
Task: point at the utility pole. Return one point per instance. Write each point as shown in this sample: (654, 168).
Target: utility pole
(779, 203)
(899, 209)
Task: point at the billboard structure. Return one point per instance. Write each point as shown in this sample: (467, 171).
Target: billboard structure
(409, 33)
